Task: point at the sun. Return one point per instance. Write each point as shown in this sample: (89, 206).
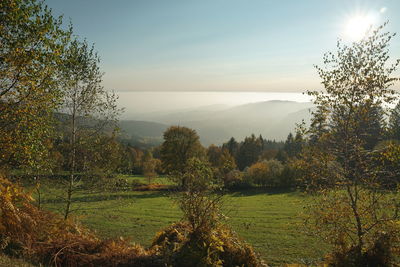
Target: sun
(357, 27)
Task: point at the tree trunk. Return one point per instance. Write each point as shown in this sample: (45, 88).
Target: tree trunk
(73, 160)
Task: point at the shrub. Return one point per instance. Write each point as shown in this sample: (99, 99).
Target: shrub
(235, 180)
(265, 173)
(47, 238)
(178, 245)
(330, 217)
(288, 177)
(379, 253)
(201, 239)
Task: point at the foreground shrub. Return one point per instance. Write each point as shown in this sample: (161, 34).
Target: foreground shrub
(181, 245)
(331, 218)
(380, 253)
(45, 237)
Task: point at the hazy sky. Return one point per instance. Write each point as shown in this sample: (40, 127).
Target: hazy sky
(144, 102)
(217, 45)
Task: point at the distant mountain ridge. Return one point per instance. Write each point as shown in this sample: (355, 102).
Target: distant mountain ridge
(272, 119)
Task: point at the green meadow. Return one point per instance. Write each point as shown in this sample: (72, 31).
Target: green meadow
(269, 220)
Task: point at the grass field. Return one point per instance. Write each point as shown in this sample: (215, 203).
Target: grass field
(267, 220)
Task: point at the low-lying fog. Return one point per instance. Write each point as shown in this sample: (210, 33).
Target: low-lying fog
(138, 103)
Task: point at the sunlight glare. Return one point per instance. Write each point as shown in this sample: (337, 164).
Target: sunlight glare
(357, 27)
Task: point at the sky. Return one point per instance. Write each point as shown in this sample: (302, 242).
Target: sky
(217, 45)
(138, 103)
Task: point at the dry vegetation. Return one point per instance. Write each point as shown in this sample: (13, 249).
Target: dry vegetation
(44, 237)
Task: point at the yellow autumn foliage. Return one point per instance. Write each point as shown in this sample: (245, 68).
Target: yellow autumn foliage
(46, 238)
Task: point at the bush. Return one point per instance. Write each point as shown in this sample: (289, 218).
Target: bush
(179, 245)
(265, 173)
(122, 184)
(288, 177)
(201, 239)
(380, 253)
(47, 238)
(235, 180)
(330, 217)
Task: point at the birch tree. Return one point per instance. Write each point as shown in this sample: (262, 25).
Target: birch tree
(91, 110)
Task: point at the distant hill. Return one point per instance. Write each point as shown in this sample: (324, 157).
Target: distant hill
(272, 119)
(182, 115)
(142, 133)
(142, 128)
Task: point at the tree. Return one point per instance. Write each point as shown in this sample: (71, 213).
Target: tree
(226, 162)
(220, 158)
(249, 151)
(137, 156)
(180, 144)
(214, 154)
(198, 176)
(394, 122)
(89, 109)
(127, 159)
(289, 143)
(316, 168)
(357, 81)
(149, 166)
(293, 145)
(318, 125)
(222, 162)
(232, 145)
(373, 127)
(32, 41)
(98, 153)
(387, 157)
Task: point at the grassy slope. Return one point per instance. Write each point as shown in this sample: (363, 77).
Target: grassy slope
(268, 221)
